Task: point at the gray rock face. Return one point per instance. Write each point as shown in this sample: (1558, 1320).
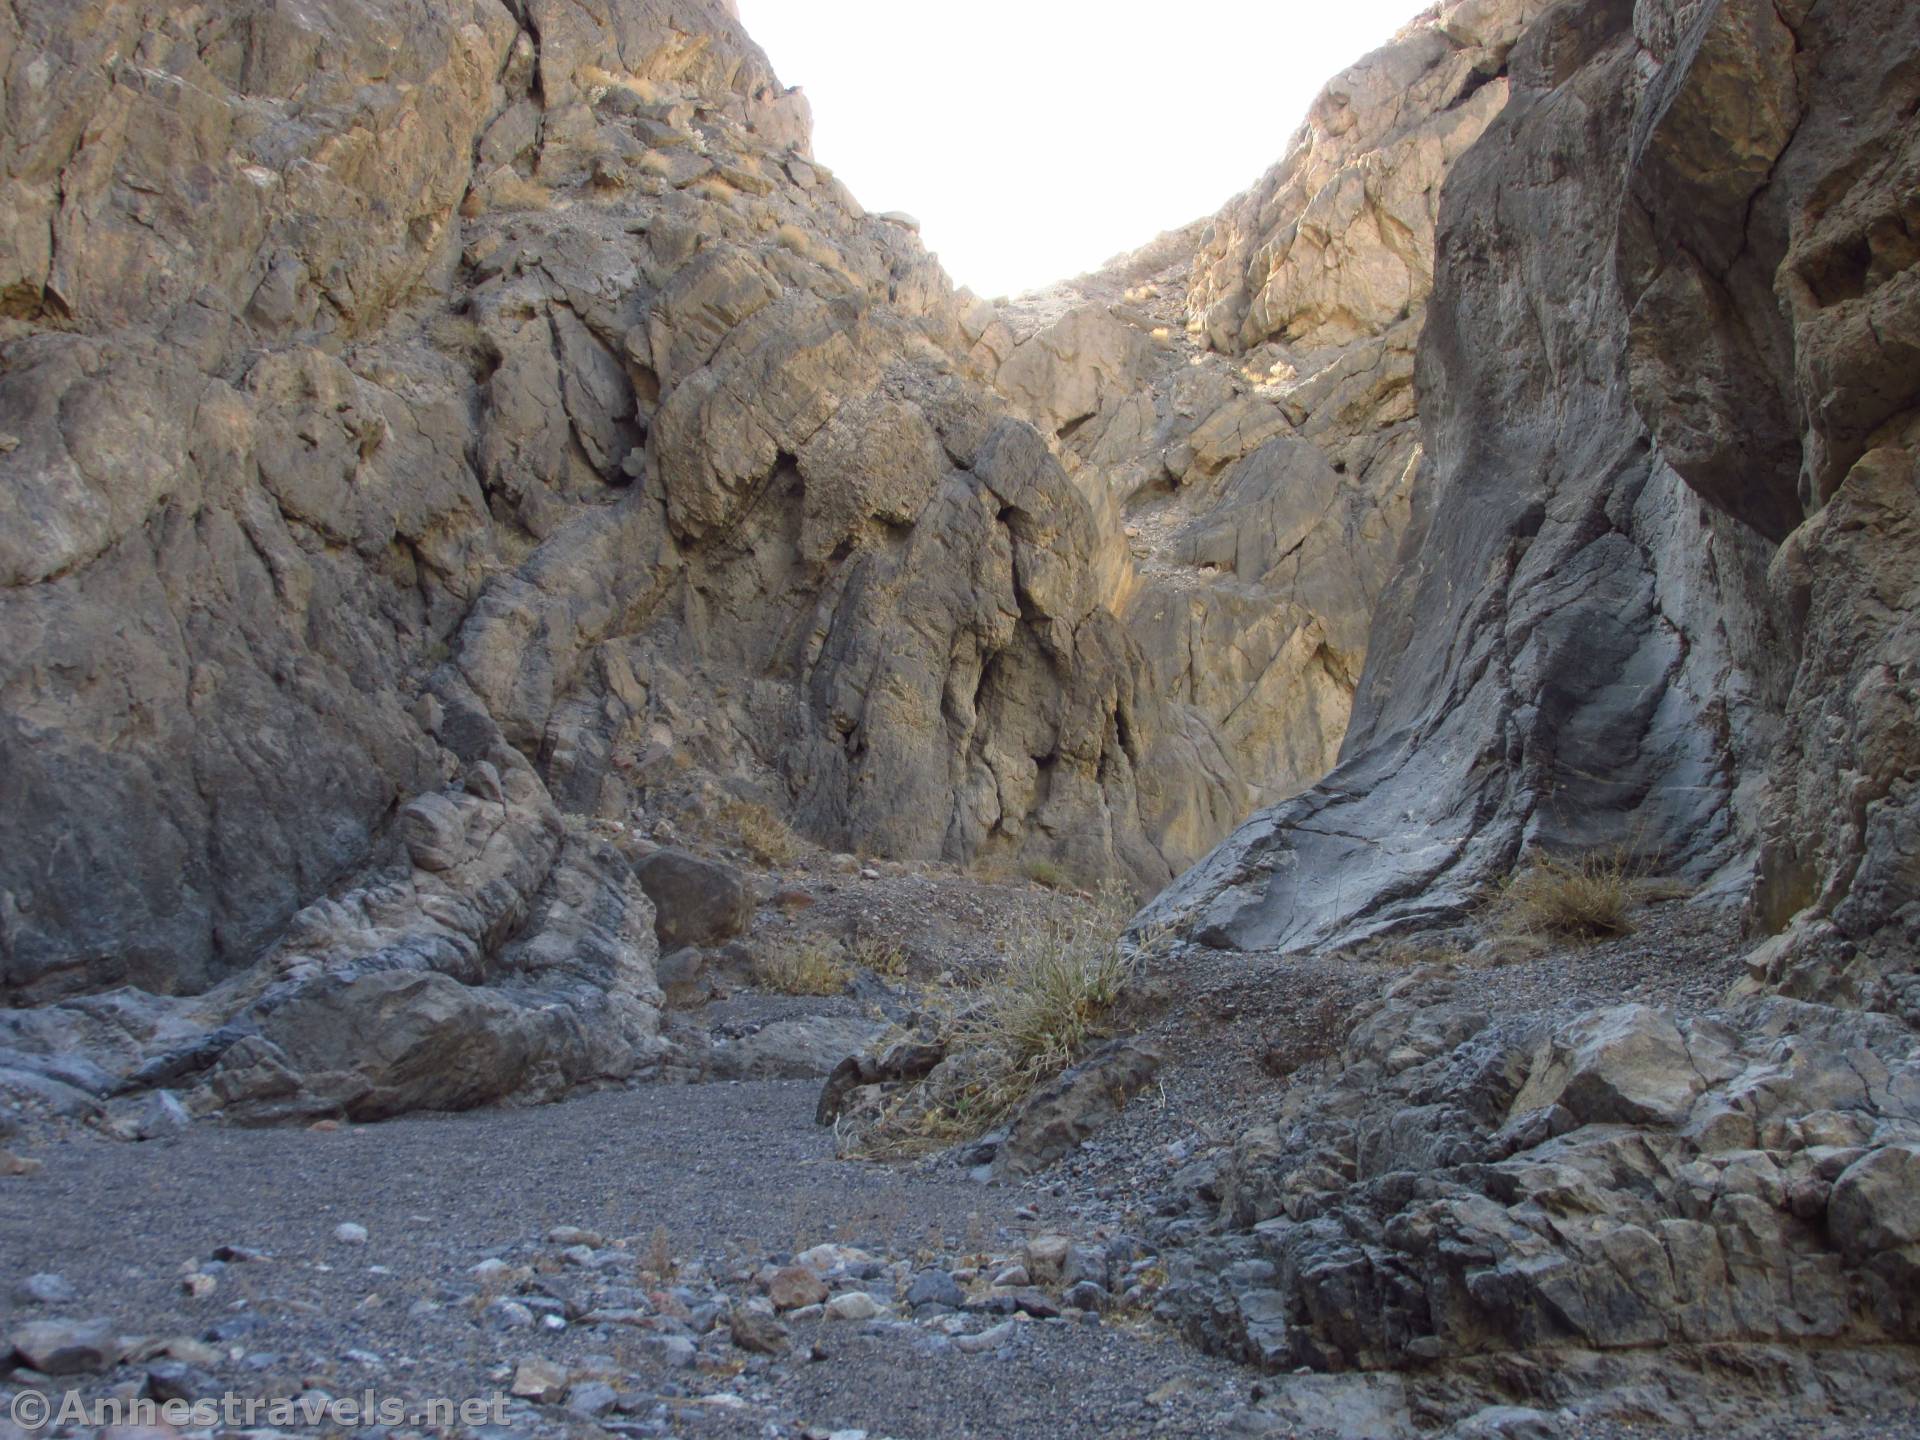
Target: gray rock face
(1598, 629)
(1238, 394)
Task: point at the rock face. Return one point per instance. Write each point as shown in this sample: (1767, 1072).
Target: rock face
(1630, 607)
(427, 416)
(1654, 595)
(1240, 395)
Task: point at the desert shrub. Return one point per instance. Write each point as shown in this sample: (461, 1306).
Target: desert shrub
(759, 831)
(882, 956)
(1588, 897)
(1059, 993)
(807, 967)
(1045, 872)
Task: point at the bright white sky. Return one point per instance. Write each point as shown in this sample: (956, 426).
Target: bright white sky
(1034, 139)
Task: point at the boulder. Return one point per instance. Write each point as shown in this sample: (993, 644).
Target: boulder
(1063, 1112)
(1625, 1065)
(695, 901)
(1875, 1204)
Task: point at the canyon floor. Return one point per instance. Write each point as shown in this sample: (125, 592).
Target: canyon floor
(587, 1258)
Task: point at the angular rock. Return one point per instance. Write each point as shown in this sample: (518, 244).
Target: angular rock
(67, 1347)
(1062, 1113)
(695, 901)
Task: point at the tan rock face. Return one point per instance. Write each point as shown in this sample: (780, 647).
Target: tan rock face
(393, 401)
(1238, 398)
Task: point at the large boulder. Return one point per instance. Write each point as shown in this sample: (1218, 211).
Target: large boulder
(695, 901)
(1875, 1204)
(1628, 1065)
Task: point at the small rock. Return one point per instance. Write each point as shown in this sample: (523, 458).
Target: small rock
(1036, 1304)
(540, 1380)
(853, 1305)
(176, 1380)
(44, 1289)
(595, 1398)
(676, 1352)
(508, 1315)
(12, 1164)
(1085, 1262)
(935, 1287)
(757, 1331)
(199, 1286)
(987, 1339)
(348, 1233)
(68, 1347)
(1013, 1276)
(1046, 1255)
(1086, 1295)
(794, 1287)
(573, 1235)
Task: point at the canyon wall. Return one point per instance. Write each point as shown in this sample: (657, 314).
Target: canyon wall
(1666, 393)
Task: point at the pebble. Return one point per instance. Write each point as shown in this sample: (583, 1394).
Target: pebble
(935, 1287)
(44, 1289)
(986, 1339)
(853, 1305)
(348, 1233)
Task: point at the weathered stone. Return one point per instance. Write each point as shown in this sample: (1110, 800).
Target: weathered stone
(67, 1347)
(695, 901)
(757, 1330)
(795, 1286)
(1061, 1114)
(543, 1381)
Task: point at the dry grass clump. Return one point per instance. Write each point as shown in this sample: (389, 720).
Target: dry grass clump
(1590, 897)
(761, 832)
(807, 967)
(887, 958)
(1057, 995)
(747, 825)
(1046, 873)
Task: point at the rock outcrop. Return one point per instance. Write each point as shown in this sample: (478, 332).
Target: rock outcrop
(1654, 600)
(1538, 1205)
(1240, 395)
(1628, 609)
(393, 390)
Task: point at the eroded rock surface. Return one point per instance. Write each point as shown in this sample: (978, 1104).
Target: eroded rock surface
(400, 390)
(1607, 628)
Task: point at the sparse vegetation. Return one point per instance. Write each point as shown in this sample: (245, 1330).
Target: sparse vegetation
(748, 825)
(761, 832)
(884, 957)
(659, 1262)
(1056, 996)
(1045, 872)
(813, 966)
(1589, 897)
